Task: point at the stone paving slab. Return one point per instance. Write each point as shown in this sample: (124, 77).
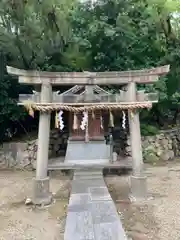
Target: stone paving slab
(103, 212)
(109, 231)
(92, 214)
(79, 199)
(79, 226)
(80, 186)
(99, 193)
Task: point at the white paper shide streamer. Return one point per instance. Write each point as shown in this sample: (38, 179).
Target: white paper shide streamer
(101, 119)
(124, 120)
(61, 122)
(84, 121)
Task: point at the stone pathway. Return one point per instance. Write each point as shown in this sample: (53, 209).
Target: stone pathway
(92, 214)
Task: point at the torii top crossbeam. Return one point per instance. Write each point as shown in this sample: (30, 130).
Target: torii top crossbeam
(88, 78)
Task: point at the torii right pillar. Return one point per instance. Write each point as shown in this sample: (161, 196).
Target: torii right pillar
(138, 178)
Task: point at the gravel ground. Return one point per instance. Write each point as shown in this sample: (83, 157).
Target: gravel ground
(20, 222)
(157, 219)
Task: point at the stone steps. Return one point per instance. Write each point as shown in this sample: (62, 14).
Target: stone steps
(86, 174)
(86, 177)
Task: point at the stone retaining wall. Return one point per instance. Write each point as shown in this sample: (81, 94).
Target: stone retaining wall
(24, 154)
(164, 146)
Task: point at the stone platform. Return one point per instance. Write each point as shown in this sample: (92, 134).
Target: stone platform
(92, 214)
(60, 164)
(92, 152)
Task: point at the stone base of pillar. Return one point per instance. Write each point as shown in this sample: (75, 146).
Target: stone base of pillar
(41, 194)
(138, 188)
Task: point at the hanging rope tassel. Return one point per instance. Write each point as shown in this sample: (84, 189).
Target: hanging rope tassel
(75, 122)
(56, 120)
(31, 112)
(93, 115)
(111, 120)
(132, 115)
(29, 108)
(124, 120)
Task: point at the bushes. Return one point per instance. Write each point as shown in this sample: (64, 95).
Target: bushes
(149, 130)
(10, 112)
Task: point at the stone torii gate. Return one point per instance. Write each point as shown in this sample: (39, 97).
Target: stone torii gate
(43, 82)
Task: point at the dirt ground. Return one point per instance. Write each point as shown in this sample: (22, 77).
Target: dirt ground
(157, 219)
(20, 222)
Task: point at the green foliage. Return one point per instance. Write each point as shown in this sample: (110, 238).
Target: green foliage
(123, 35)
(111, 35)
(9, 111)
(33, 35)
(149, 130)
(36, 31)
(149, 155)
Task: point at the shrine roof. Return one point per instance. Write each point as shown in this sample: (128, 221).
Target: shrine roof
(80, 89)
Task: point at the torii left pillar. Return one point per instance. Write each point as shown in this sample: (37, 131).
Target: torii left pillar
(41, 193)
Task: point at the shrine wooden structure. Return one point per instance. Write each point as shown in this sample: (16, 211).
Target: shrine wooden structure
(45, 101)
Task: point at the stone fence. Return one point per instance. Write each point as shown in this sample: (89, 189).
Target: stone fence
(164, 146)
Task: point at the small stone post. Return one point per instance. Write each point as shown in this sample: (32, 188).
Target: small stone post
(41, 182)
(138, 179)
